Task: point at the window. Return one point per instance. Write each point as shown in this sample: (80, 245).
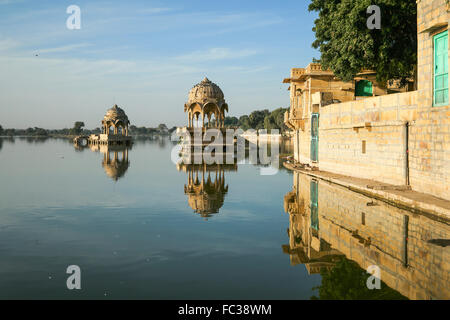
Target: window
(363, 88)
(440, 94)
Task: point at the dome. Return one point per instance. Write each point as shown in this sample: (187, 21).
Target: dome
(206, 91)
(115, 169)
(116, 114)
(206, 199)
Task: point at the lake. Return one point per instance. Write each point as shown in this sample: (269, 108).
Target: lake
(141, 227)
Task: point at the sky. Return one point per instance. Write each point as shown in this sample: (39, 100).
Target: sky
(145, 56)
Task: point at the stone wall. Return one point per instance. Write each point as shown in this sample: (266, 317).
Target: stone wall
(367, 138)
(430, 133)
(374, 233)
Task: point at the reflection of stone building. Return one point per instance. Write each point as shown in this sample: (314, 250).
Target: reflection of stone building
(115, 158)
(115, 161)
(206, 187)
(305, 245)
(327, 220)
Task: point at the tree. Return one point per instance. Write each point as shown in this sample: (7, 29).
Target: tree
(163, 128)
(1, 130)
(347, 281)
(231, 121)
(244, 122)
(133, 129)
(256, 118)
(347, 45)
(77, 127)
(40, 132)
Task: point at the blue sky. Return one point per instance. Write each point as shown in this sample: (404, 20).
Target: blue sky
(145, 56)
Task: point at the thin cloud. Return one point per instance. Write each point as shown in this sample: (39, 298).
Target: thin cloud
(64, 48)
(7, 44)
(5, 2)
(215, 54)
(155, 10)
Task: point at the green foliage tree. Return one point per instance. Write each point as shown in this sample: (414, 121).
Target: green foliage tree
(1, 130)
(244, 122)
(163, 128)
(231, 121)
(275, 120)
(347, 45)
(77, 127)
(347, 281)
(256, 119)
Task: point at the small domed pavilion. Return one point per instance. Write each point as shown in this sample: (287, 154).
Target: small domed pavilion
(115, 122)
(206, 100)
(114, 129)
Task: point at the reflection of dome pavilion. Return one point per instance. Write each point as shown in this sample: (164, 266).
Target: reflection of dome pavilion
(206, 188)
(206, 100)
(116, 166)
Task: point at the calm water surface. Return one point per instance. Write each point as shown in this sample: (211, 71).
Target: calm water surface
(137, 237)
(142, 228)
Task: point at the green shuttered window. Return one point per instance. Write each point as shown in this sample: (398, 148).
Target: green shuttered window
(441, 69)
(364, 88)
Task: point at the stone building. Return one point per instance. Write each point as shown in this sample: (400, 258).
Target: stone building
(205, 108)
(401, 138)
(114, 129)
(206, 102)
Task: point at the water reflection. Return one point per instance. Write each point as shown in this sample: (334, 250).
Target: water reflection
(333, 230)
(115, 158)
(115, 166)
(206, 187)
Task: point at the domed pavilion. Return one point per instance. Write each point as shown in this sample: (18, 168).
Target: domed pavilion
(115, 122)
(206, 101)
(114, 129)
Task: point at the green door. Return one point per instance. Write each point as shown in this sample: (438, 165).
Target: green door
(314, 196)
(441, 69)
(315, 137)
(364, 88)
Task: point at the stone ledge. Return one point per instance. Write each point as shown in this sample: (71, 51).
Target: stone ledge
(413, 201)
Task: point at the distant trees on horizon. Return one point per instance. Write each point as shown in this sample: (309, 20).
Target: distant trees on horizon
(78, 129)
(259, 119)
